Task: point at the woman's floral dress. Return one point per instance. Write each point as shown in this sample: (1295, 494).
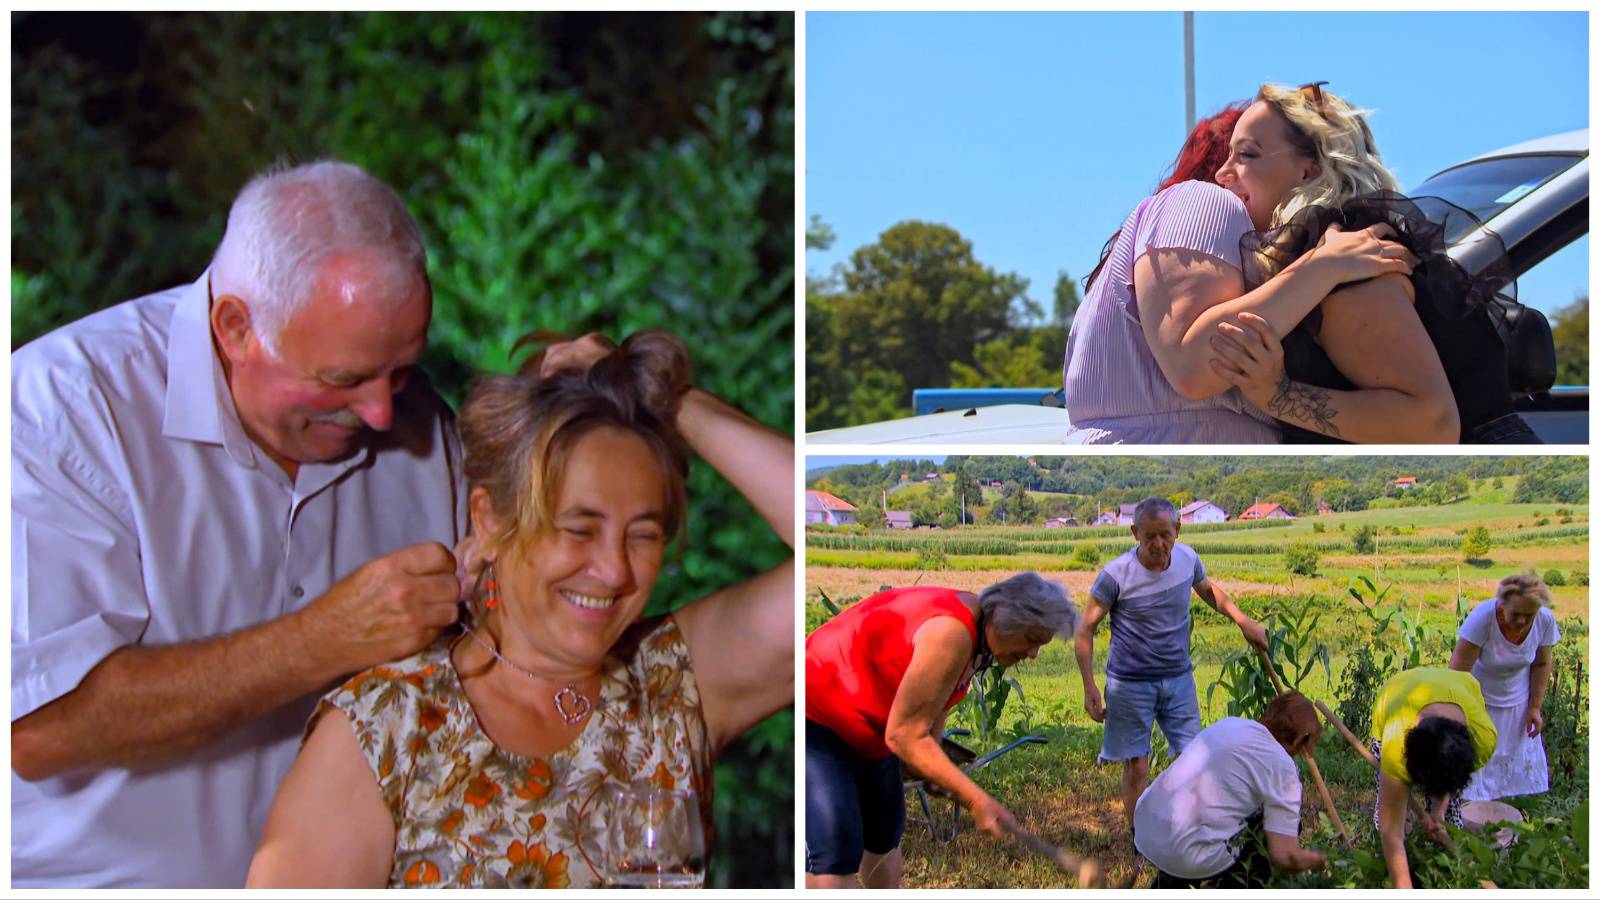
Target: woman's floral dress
(469, 814)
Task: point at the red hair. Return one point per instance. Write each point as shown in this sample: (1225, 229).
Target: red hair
(1206, 148)
(1203, 153)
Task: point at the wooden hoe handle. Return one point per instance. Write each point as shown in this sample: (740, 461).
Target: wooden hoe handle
(1086, 870)
(1316, 773)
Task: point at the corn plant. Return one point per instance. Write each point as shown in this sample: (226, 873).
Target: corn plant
(986, 701)
(1296, 653)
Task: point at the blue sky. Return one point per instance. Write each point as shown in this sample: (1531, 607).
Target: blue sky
(1034, 134)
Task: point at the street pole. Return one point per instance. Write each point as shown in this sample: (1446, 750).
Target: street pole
(1188, 72)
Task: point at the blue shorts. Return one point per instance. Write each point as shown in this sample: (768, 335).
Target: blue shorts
(852, 804)
(1131, 707)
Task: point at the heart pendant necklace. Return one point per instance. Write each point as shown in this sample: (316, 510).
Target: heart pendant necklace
(571, 704)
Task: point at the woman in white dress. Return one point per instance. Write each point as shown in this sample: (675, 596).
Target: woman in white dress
(1505, 644)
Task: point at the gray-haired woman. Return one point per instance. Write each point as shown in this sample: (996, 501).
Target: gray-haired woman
(880, 678)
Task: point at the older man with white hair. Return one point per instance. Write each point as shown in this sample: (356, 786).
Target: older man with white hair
(225, 496)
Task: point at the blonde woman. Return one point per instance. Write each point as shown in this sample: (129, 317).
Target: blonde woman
(1423, 347)
(1505, 643)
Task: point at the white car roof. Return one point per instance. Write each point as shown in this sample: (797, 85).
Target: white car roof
(1566, 142)
(1010, 424)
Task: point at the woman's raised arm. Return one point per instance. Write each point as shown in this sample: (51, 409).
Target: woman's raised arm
(329, 826)
(741, 638)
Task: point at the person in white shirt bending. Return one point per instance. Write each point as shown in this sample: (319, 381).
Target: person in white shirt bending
(1195, 820)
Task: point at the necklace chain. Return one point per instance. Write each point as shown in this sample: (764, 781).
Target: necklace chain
(570, 703)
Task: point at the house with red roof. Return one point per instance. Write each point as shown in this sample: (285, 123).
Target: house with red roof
(1405, 482)
(823, 508)
(1264, 511)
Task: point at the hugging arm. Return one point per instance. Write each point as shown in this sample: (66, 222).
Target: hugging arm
(1374, 337)
(1183, 295)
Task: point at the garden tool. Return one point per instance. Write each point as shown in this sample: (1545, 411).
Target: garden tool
(1086, 870)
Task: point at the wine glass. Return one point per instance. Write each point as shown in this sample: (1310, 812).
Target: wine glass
(654, 837)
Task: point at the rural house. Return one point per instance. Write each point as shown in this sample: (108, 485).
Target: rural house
(1202, 511)
(823, 508)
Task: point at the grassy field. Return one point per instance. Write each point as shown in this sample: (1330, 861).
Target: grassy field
(1061, 793)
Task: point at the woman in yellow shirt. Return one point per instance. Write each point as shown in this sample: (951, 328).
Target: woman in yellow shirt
(1429, 729)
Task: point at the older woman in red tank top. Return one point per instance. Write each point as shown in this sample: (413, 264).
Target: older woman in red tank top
(880, 678)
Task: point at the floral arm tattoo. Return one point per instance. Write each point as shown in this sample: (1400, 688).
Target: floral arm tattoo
(1297, 402)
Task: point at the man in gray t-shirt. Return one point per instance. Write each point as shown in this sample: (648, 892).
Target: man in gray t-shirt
(1149, 676)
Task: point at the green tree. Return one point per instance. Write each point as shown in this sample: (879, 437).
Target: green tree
(1289, 502)
(1456, 487)
(1021, 508)
(1020, 359)
(969, 491)
(1364, 541)
(1301, 558)
(1571, 332)
(912, 304)
(819, 234)
(1065, 305)
(870, 514)
(1476, 543)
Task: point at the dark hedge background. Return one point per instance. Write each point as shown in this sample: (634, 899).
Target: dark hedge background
(570, 171)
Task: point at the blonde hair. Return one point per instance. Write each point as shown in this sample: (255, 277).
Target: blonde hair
(1524, 586)
(1338, 139)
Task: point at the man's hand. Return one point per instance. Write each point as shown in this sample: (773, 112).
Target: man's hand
(386, 610)
(989, 815)
(1092, 704)
(1254, 633)
(1533, 722)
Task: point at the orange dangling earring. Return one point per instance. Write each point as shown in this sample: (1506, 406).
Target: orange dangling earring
(491, 588)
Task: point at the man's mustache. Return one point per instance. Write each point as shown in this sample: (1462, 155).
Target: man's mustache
(344, 418)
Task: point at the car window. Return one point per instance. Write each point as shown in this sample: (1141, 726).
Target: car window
(1485, 188)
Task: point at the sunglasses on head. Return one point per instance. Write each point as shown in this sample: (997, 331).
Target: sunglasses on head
(1313, 92)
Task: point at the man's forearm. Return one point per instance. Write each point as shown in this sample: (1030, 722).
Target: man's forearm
(1219, 600)
(142, 705)
(1083, 651)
